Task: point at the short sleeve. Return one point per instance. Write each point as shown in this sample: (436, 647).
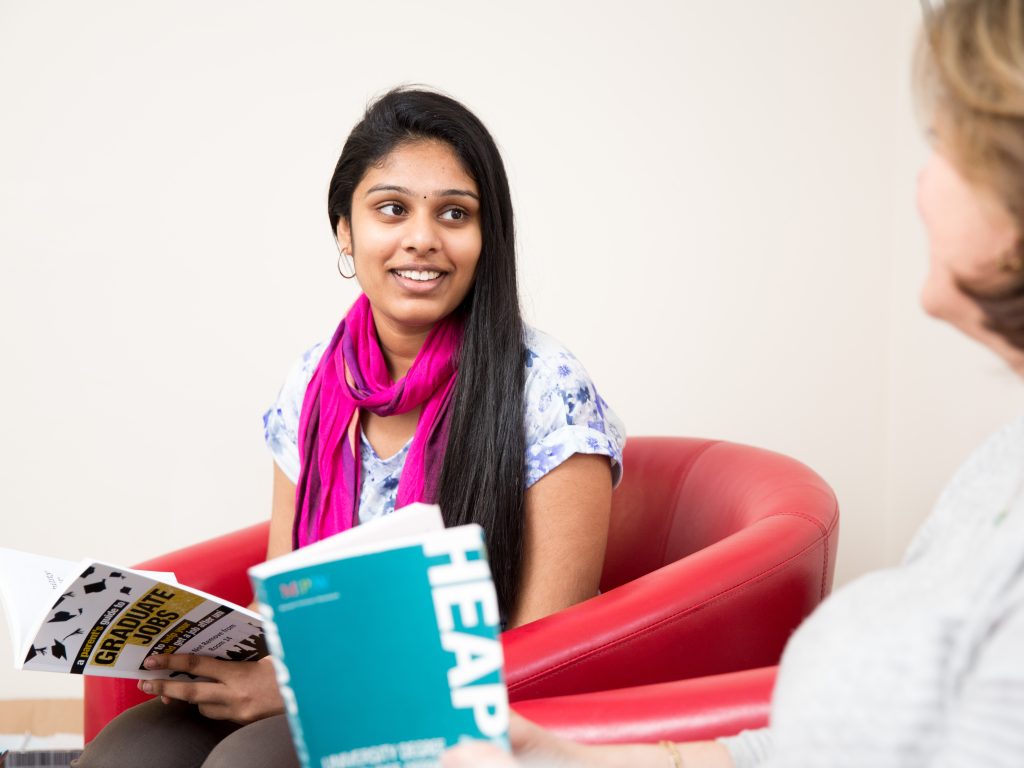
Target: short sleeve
(281, 421)
(565, 414)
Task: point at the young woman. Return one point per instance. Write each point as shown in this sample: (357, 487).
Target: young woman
(922, 664)
(431, 389)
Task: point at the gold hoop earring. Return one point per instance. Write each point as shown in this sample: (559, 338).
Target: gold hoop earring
(346, 259)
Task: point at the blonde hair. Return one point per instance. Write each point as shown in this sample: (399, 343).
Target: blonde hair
(970, 80)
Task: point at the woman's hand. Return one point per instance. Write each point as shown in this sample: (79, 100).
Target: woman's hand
(532, 746)
(535, 747)
(240, 691)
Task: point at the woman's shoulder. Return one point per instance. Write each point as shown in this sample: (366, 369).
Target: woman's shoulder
(551, 369)
(565, 412)
(281, 420)
(989, 481)
(545, 354)
(992, 473)
(304, 367)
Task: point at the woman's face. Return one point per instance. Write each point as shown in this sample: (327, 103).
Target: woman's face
(414, 235)
(970, 236)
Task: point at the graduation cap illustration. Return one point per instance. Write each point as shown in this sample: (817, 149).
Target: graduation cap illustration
(64, 616)
(62, 597)
(117, 575)
(126, 590)
(257, 647)
(33, 652)
(96, 586)
(88, 572)
(58, 650)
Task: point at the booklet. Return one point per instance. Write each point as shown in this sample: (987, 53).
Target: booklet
(93, 618)
(385, 641)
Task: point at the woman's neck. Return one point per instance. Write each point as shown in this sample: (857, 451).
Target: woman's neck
(399, 344)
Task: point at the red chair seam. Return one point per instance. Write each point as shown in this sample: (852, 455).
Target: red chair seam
(826, 532)
(691, 462)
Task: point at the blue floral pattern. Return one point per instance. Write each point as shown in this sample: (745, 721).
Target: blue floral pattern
(564, 415)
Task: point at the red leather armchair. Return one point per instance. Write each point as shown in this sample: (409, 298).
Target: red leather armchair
(716, 552)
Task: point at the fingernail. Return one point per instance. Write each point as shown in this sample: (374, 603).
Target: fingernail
(146, 686)
(149, 663)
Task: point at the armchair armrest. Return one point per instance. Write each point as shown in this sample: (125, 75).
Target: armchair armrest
(686, 710)
(728, 607)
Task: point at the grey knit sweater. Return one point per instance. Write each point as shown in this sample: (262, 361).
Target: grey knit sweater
(921, 664)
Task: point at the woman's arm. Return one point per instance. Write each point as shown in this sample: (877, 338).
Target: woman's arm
(985, 725)
(565, 532)
(534, 747)
(281, 515)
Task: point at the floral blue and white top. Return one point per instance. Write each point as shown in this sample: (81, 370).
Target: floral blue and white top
(564, 415)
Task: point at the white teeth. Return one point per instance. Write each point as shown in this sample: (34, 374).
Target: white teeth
(418, 275)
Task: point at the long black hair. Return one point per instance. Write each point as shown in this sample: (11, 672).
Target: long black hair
(484, 471)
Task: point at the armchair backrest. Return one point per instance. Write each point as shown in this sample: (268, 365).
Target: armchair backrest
(680, 495)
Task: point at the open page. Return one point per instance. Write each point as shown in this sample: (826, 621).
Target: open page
(99, 619)
(29, 585)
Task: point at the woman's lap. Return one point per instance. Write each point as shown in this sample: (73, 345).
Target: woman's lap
(176, 735)
(266, 743)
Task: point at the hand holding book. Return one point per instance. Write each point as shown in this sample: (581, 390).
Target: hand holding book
(94, 618)
(239, 691)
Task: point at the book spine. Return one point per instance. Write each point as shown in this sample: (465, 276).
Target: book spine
(291, 704)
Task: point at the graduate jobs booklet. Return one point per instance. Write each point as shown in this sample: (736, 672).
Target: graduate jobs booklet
(94, 618)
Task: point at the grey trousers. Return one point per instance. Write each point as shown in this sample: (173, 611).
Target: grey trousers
(175, 735)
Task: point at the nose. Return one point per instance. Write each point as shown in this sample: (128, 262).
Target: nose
(421, 236)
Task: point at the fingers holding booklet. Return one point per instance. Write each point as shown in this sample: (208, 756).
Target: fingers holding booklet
(239, 691)
(94, 618)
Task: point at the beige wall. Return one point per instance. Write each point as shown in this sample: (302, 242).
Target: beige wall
(715, 207)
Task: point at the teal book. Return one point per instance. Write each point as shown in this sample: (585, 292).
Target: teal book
(385, 641)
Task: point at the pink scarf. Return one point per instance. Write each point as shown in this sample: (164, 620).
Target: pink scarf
(352, 375)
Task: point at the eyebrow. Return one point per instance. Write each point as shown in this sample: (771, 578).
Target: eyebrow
(406, 191)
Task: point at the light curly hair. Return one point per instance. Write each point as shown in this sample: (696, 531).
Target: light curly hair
(970, 81)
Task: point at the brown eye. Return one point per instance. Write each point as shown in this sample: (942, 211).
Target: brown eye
(454, 214)
(392, 209)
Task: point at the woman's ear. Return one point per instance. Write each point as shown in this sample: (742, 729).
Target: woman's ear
(344, 234)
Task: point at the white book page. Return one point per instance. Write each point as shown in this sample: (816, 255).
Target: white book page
(403, 526)
(160, 576)
(108, 619)
(29, 585)
(52, 597)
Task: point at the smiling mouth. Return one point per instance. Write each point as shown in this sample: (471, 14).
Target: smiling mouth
(419, 275)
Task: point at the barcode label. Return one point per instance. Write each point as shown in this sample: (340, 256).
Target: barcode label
(52, 759)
